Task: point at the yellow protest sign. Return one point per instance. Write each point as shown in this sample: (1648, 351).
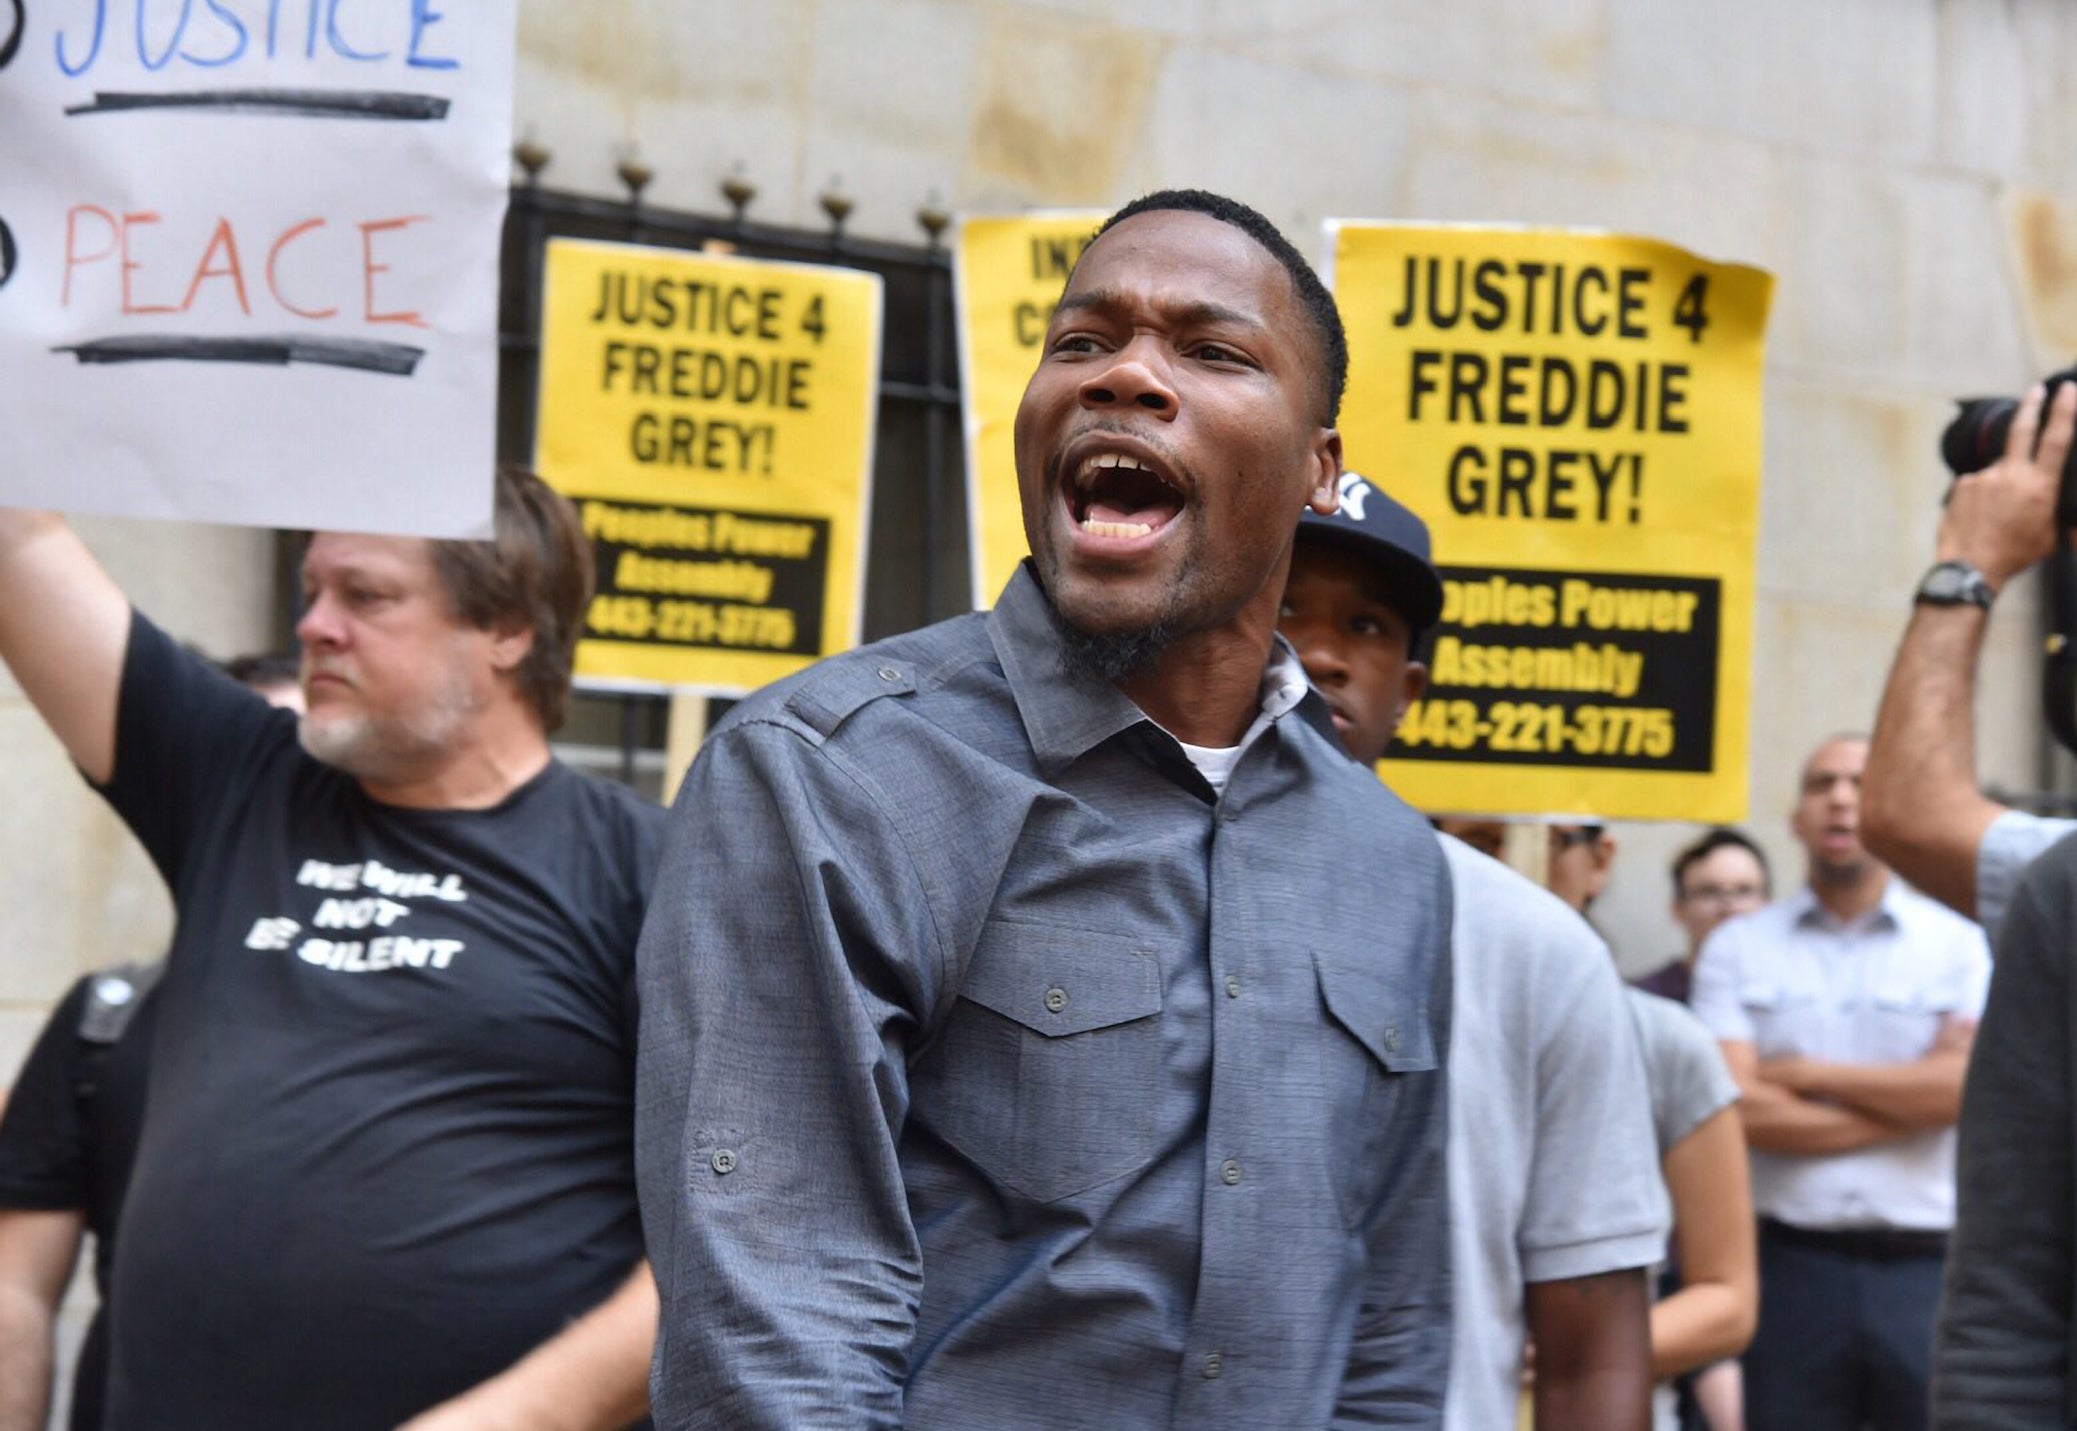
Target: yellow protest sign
(1008, 273)
(1577, 417)
(712, 419)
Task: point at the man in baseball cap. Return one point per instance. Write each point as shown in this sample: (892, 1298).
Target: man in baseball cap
(1555, 1201)
(1372, 554)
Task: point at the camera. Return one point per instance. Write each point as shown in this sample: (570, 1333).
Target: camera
(1976, 438)
(1972, 442)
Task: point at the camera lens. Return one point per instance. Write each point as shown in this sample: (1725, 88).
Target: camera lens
(1976, 437)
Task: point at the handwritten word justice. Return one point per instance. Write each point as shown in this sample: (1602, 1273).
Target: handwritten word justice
(220, 33)
(95, 237)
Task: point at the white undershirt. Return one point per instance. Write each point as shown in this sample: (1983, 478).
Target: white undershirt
(1283, 687)
(1215, 762)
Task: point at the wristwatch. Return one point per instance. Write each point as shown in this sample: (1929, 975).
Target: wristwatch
(1955, 583)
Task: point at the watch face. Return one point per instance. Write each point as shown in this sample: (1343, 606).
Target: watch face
(1954, 584)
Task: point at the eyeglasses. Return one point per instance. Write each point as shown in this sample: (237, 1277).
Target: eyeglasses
(1723, 894)
(1564, 837)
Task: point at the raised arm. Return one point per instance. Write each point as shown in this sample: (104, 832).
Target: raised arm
(63, 628)
(788, 945)
(593, 1376)
(1922, 812)
(37, 1250)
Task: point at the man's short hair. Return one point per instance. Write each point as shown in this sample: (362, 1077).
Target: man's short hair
(264, 670)
(1721, 838)
(1332, 339)
(534, 572)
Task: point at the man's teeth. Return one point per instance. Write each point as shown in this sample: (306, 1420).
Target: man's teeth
(1109, 459)
(1115, 529)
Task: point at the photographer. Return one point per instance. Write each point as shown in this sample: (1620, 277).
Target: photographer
(1924, 815)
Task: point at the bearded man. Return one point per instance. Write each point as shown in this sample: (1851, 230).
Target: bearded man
(386, 1169)
(1042, 1017)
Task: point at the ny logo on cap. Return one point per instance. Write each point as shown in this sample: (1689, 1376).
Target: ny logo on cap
(1354, 491)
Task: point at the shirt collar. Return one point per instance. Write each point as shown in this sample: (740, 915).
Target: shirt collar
(1284, 683)
(1889, 909)
(1068, 713)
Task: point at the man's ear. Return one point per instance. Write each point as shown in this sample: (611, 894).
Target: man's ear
(1413, 684)
(1324, 496)
(509, 646)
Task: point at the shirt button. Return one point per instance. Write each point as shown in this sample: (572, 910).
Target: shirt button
(1212, 1366)
(1233, 986)
(1391, 1039)
(723, 1162)
(1056, 999)
(889, 673)
(1229, 1172)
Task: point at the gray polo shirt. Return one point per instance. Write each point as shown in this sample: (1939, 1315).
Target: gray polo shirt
(1554, 1173)
(1690, 1082)
(996, 1073)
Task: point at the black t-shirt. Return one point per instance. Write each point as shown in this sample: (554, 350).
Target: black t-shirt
(390, 1147)
(67, 1142)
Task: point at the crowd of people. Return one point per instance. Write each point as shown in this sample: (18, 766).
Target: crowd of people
(1042, 1019)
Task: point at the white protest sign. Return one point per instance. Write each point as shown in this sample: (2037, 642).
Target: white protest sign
(249, 258)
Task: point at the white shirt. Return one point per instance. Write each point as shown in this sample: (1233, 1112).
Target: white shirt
(1792, 979)
(1554, 1169)
(1283, 687)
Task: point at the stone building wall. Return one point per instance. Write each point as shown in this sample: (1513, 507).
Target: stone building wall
(1906, 168)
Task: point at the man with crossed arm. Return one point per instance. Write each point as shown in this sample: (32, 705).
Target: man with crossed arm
(1846, 1013)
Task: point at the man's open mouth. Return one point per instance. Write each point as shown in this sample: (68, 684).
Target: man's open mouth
(1114, 494)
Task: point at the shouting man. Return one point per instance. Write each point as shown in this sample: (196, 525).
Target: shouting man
(1042, 1017)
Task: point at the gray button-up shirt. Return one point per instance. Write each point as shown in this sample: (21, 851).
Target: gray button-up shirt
(939, 1121)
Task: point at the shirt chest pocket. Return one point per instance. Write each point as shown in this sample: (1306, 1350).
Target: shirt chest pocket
(1786, 1018)
(1046, 1075)
(1377, 1041)
(1904, 1019)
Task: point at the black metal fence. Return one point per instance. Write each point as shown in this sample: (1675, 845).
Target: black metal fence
(916, 554)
